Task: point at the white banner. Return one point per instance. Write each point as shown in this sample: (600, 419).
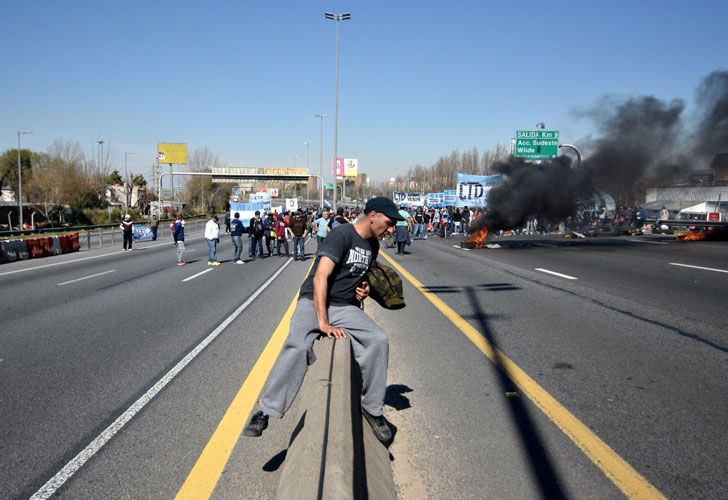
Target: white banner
(409, 199)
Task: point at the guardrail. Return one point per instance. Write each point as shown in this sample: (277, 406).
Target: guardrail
(112, 237)
(71, 229)
(14, 249)
(333, 452)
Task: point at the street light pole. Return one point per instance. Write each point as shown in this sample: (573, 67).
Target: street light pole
(20, 180)
(321, 155)
(337, 17)
(578, 156)
(127, 191)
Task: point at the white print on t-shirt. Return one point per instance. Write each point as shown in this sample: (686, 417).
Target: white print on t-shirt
(359, 259)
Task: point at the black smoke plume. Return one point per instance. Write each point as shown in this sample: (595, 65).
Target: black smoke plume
(547, 190)
(640, 141)
(712, 129)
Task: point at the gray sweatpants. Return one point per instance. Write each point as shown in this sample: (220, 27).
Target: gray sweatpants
(369, 343)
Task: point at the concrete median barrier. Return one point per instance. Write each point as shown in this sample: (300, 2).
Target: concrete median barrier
(13, 250)
(333, 452)
(56, 241)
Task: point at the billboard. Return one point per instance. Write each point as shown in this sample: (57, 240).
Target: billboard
(169, 152)
(472, 190)
(351, 167)
(338, 168)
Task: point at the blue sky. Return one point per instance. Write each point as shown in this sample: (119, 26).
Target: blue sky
(418, 79)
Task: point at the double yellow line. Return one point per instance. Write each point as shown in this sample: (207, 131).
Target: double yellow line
(205, 474)
(203, 478)
(622, 474)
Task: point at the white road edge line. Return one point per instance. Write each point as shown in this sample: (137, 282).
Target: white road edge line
(699, 267)
(86, 277)
(50, 487)
(648, 241)
(196, 275)
(556, 274)
(76, 260)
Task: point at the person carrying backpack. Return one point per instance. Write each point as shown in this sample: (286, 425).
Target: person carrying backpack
(255, 235)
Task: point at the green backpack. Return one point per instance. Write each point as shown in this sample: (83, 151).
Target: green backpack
(385, 286)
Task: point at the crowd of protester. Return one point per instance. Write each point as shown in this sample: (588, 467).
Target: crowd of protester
(269, 233)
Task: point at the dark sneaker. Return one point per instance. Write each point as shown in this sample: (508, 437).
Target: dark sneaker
(256, 426)
(379, 426)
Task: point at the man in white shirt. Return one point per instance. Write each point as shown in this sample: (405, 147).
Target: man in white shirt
(212, 235)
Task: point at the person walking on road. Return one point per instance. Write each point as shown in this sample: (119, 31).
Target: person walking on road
(330, 304)
(154, 226)
(322, 228)
(299, 232)
(402, 234)
(212, 235)
(281, 229)
(178, 233)
(127, 227)
(236, 235)
(255, 235)
(267, 228)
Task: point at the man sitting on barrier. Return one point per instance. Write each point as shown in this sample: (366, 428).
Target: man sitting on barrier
(330, 304)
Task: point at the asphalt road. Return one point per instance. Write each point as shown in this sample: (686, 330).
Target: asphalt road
(634, 348)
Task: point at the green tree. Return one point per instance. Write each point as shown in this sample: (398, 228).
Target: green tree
(115, 179)
(139, 180)
(9, 167)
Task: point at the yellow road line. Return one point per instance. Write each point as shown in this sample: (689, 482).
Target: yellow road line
(204, 476)
(622, 474)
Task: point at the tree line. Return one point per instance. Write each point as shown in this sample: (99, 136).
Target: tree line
(443, 173)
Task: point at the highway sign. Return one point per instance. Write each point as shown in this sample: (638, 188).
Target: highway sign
(537, 144)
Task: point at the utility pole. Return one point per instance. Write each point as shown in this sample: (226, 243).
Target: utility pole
(337, 17)
(128, 187)
(20, 181)
(321, 116)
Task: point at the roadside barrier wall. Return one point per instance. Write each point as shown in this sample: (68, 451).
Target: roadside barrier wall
(45, 246)
(333, 452)
(37, 248)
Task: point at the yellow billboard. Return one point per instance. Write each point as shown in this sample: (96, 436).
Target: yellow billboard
(351, 167)
(170, 152)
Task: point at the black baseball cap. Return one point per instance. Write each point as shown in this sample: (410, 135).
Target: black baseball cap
(383, 206)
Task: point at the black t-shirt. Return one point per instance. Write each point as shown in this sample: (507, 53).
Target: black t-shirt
(353, 256)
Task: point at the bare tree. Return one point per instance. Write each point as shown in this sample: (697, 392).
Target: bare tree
(200, 190)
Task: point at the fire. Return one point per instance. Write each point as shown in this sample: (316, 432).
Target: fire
(692, 236)
(476, 240)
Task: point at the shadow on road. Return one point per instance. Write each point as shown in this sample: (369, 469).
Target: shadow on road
(540, 462)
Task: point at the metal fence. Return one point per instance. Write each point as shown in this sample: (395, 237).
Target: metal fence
(111, 236)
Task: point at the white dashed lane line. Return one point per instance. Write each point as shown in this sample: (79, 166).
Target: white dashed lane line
(566, 276)
(198, 274)
(86, 277)
(699, 267)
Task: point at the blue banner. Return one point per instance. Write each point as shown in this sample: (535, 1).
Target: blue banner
(247, 210)
(472, 190)
(450, 198)
(434, 200)
(141, 232)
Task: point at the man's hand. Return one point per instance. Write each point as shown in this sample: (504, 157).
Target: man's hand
(333, 331)
(363, 291)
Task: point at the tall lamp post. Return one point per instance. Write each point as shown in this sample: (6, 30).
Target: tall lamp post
(127, 191)
(337, 17)
(321, 116)
(308, 167)
(20, 179)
